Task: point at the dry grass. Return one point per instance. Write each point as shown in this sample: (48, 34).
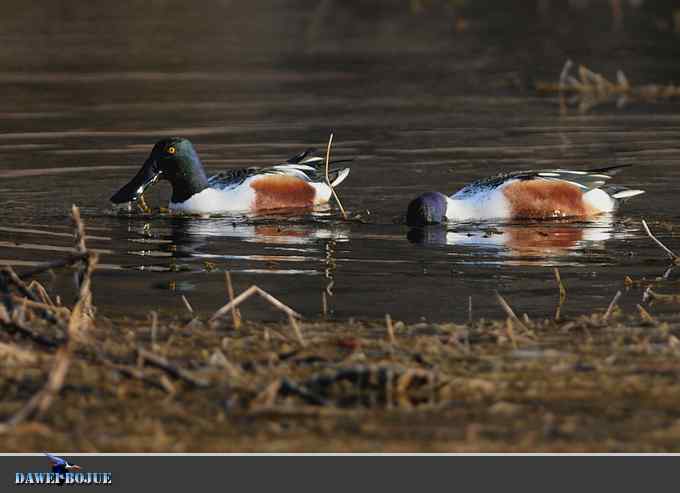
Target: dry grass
(579, 385)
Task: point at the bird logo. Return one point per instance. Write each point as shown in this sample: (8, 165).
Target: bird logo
(61, 465)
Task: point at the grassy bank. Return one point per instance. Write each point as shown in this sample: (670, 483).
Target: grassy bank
(189, 385)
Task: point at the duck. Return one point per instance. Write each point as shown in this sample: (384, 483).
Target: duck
(296, 183)
(537, 194)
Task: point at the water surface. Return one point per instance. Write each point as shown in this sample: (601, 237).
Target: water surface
(421, 100)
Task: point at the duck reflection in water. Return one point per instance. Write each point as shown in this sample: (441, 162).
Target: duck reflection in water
(530, 239)
(269, 244)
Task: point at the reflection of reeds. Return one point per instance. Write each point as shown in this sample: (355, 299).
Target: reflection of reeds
(589, 89)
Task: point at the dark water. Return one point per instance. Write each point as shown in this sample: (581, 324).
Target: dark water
(424, 98)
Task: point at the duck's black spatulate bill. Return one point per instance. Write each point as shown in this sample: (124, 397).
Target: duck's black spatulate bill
(146, 177)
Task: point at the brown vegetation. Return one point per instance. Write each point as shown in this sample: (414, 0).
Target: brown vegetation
(590, 89)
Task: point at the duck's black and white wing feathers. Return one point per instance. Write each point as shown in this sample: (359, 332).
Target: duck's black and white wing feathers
(585, 180)
(305, 166)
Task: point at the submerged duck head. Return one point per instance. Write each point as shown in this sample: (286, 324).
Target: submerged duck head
(173, 159)
(429, 208)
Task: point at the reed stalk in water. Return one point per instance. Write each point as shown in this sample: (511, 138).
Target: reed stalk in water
(328, 180)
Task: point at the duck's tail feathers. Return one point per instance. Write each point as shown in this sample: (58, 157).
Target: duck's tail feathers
(297, 159)
(609, 170)
(337, 176)
(308, 157)
(314, 167)
(621, 193)
(626, 194)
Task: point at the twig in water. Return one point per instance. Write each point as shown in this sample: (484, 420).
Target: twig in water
(390, 328)
(673, 256)
(247, 294)
(187, 304)
(86, 266)
(235, 315)
(78, 230)
(509, 312)
(328, 180)
(470, 310)
(612, 305)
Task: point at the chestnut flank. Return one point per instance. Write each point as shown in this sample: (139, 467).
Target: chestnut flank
(542, 199)
(277, 192)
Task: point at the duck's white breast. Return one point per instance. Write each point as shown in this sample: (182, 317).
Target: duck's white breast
(485, 204)
(213, 201)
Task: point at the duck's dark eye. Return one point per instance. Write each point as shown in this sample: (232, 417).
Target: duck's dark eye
(171, 150)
